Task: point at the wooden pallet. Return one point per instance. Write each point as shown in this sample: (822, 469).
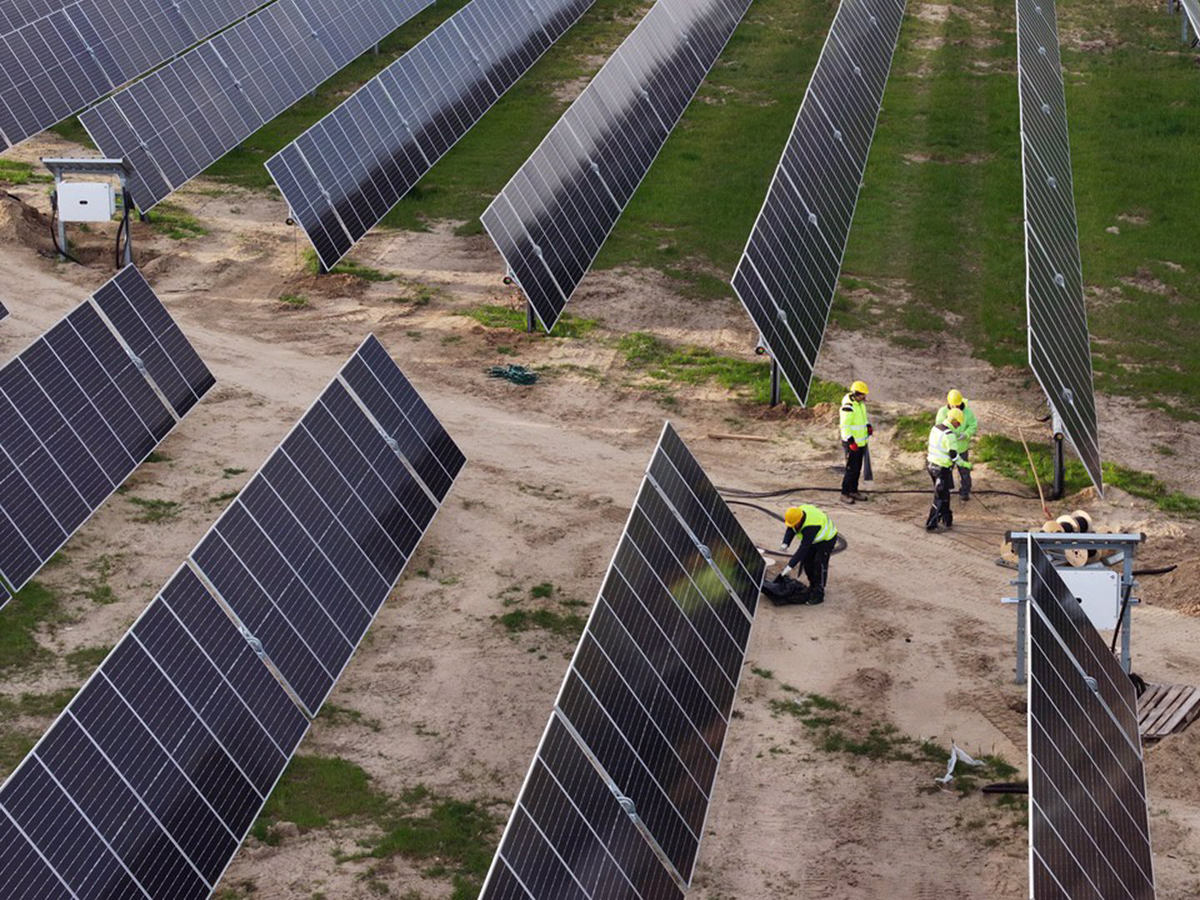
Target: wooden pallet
(1166, 709)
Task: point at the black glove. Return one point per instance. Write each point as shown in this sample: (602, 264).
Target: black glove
(870, 430)
(954, 454)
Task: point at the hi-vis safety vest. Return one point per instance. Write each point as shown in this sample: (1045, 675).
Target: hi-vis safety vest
(942, 440)
(854, 421)
(965, 432)
(814, 516)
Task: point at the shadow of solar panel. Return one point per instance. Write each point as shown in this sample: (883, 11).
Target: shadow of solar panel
(68, 55)
(1059, 346)
(555, 214)
(343, 175)
(149, 780)
(618, 794)
(80, 409)
(177, 121)
(313, 545)
(1089, 832)
(787, 276)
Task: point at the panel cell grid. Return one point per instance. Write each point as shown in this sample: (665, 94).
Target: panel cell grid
(149, 780)
(80, 409)
(787, 276)
(56, 58)
(1089, 828)
(617, 797)
(1060, 352)
(343, 175)
(550, 221)
(177, 121)
(312, 546)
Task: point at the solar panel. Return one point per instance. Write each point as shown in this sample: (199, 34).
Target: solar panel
(552, 218)
(343, 175)
(3, 311)
(1059, 345)
(1089, 832)
(80, 409)
(1191, 8)
(179, 120)
(313, 545)
(788, 273)
(21, 12)
(617, 797)
(62, 57)
(148, 782)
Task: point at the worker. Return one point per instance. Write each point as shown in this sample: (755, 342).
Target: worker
(943, 449)
(817, 534)
(966, 433)
(856, 432)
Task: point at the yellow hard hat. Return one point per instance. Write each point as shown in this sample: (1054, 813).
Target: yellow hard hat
(793, 517)
(955, 417)
(859, 387)
(954, 398)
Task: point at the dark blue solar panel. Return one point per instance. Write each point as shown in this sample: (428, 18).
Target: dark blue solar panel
(159, 765)
(77, 416)
(343, 175)
(61, 57)
(553, 217)
(644, 710)
(313, 545)
(180, 119)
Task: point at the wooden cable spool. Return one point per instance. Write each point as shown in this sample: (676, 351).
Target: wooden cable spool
(1078, 522)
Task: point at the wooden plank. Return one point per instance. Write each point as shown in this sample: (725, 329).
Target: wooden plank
(1147, 700)
(1188, 710)
(1164, 707)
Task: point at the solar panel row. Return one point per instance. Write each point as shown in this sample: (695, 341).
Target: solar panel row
(1059, 345)
(3, 311)
(21, 12)
(555, 214)
(343, 175)
(788, 273)
(616, 800)
(148, 782)
(312, 546)
(80, 409)
(1089, 831)
(177, 121)
(63, 57)
(1191, 9)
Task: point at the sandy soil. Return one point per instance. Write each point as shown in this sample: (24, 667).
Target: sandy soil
(914, 633)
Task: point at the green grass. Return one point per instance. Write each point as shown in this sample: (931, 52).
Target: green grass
(564, 625)
(1007, 456)
(34, 607)
(97, 587)
(85, 660)
(912, 432)
(346, 267)
(14, 173)
(344, 715)
(38, 706)
(493, 315)
(154, 510)
(542, 591)
(176, 223)
(223, 498)
(295, 301)
(451, 839)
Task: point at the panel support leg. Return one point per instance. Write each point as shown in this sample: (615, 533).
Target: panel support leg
(1060, 467)
(530, 319)
(126, 201)
(62, 226)
(1126, 622)
(1022, 585)
(776, 386)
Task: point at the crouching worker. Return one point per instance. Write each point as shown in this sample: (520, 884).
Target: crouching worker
(817, 534)
(943, 450)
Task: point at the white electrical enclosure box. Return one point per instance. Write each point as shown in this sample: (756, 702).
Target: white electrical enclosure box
(86, 201)
(1099, 593)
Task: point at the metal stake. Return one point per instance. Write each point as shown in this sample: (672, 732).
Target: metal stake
(530, 318)
(776, 387)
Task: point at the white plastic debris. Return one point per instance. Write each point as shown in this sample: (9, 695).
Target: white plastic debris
(957, 754)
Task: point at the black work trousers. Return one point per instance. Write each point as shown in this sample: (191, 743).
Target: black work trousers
(964, 475)
(943, 484)
(854, 464)
(816, 569)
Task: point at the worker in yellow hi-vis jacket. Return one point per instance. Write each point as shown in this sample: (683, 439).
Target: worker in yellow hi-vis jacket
(966, 434)
(943, 449)
(856, 432)
(817, 533)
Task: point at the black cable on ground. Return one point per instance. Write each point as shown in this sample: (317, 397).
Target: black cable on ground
(766, 495)
(54, 232)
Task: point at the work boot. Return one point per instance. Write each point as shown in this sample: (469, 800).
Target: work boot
(931, 523)
(859, 495)
(964, 497)
(815, 598)
(948, 518)
(848, 498)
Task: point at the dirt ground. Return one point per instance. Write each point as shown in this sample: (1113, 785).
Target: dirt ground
(913, 633)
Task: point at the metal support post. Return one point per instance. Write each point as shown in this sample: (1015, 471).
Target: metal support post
(1127, 586)
(530, 318)
(1060, 468)
(1185, 27)
(127, 205)
(62, 226)
(1022, 585)
(776, 386)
